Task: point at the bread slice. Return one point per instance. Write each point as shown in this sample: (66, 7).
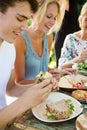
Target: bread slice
(60, 109)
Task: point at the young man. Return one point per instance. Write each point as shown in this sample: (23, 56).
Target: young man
(13, 16)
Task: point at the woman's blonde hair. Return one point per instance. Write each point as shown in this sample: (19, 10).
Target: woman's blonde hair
(82, 13)
(43, 4)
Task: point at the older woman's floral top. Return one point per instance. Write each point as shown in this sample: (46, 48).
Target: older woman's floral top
(72, 47)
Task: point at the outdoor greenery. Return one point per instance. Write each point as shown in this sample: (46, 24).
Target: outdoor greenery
(81, 2)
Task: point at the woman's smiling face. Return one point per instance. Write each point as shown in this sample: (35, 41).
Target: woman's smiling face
(49, 18)
(13, 20)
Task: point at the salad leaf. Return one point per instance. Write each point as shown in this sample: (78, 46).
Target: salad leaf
(71, 106)
(82, 66)
(50, 116)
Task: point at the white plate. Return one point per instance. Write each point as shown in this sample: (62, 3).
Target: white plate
(66, 81)
(75, 66)
(83, 73)
(81, 122)
(39, 111)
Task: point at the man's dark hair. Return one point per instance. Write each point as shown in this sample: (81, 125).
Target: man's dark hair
(4, 4)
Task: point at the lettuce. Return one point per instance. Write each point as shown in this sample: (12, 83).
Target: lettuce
(69, 101)
(82, 66)
(51, 116)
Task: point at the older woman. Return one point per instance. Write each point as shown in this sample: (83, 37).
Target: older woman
(75, 45)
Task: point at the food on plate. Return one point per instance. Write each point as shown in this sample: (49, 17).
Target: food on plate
(81, 122)
(80, 94)
(59, 110)
(73, 81)
(78, 85)
(43, 75)
(82, 66)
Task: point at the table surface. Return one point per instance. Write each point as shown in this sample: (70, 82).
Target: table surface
(29, 122)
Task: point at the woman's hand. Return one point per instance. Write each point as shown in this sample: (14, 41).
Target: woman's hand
(70, 71)
(57, 73)
(55, 84)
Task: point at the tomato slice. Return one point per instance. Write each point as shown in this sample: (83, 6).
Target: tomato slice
(78, 85)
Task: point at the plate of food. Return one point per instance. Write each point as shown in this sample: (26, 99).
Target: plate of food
(73, 82)
(58, 107)
(81, 122)
(83, 72)
(80, 95)
(81, 67)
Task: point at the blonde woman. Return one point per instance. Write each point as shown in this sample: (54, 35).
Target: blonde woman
(33, 46)
(75, 45)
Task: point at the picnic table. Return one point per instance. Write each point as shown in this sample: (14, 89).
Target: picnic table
(27, 121)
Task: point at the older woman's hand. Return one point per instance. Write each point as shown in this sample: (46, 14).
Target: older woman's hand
(57, 73)
(54, 84)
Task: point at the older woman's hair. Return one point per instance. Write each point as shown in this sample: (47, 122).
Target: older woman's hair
(82, 13)
(43, 4)
(5, 4)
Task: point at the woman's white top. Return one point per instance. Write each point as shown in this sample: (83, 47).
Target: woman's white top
(7, 59)
(73, 47)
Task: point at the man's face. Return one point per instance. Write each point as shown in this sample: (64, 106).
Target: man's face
(13, 20)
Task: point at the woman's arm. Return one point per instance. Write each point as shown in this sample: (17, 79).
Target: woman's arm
(78, 59)
(20, 47)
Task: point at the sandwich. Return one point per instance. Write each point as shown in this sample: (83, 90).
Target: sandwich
(43, 75)
(59, 110)
(80, 94)
(73, 81)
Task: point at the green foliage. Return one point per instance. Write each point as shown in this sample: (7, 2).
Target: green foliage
(52, 54)
(52, 61)
(29, 22)
(80, 4)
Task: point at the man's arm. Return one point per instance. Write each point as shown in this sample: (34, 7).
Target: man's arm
(32, 97)
(14, 89)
